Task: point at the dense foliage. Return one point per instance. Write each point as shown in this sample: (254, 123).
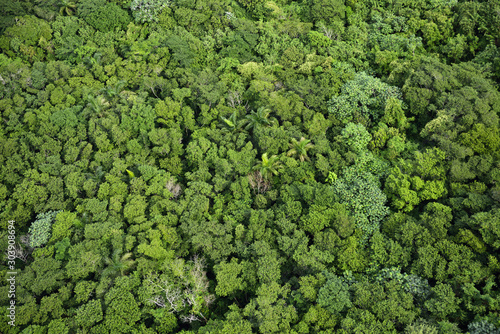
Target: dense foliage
(251, 166)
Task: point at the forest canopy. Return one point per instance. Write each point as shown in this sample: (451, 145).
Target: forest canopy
(250, 166)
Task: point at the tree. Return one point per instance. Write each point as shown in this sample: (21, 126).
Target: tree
(268, 166)
(360, 191)
(121, 307)
(258, 183)
(257, 118)
(437, 219)
(355, 137)
(43, 275)
(334, 295)
(488, 225)
(148, 10)
(89, 314)
(113, 92)
(483, 326)
(299, 149)
(117, 264)
(447, 99)
(363, 98)
(232, 123)
(413, 181)
(443, 302)
(85, 258)
(67, 7)
(103, 16)
(421, 328)
(40, 229)
(183, 291)
(229, 277)
(25, 38)
(326, 10)
(58, 326)
(270, 311)
(97, 105)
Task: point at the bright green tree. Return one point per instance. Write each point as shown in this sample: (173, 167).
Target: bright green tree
(257, 118)
(268, 166)
(364, 97)
(298, 149)
(40, 230)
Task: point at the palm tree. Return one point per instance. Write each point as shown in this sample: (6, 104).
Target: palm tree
(97, 176)
(97, 104)
(268, 166)
(118, 264)
(232, 124)
(299, 148)
(67, 7)
(257, 118)
(112, 92)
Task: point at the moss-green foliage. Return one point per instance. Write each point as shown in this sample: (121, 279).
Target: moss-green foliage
(334, 294)
(29, 37)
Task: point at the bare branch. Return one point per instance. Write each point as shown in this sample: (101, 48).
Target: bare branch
(189, 318)
(20, 252)
(158, 301)
(234, 99)
(174, 188)
(258, 183)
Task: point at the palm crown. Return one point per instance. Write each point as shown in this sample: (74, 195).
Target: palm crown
(97, 104)
(118, 264)
(299, 148)
(268, 166)
(67, 7)
(257, 118)
(232, 123)
(111, 93)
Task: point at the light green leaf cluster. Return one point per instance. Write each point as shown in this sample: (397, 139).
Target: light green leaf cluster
(365, 96)
(360, 191)
(40, 229)
(356, 137)
(148, 10)
(414, 284)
